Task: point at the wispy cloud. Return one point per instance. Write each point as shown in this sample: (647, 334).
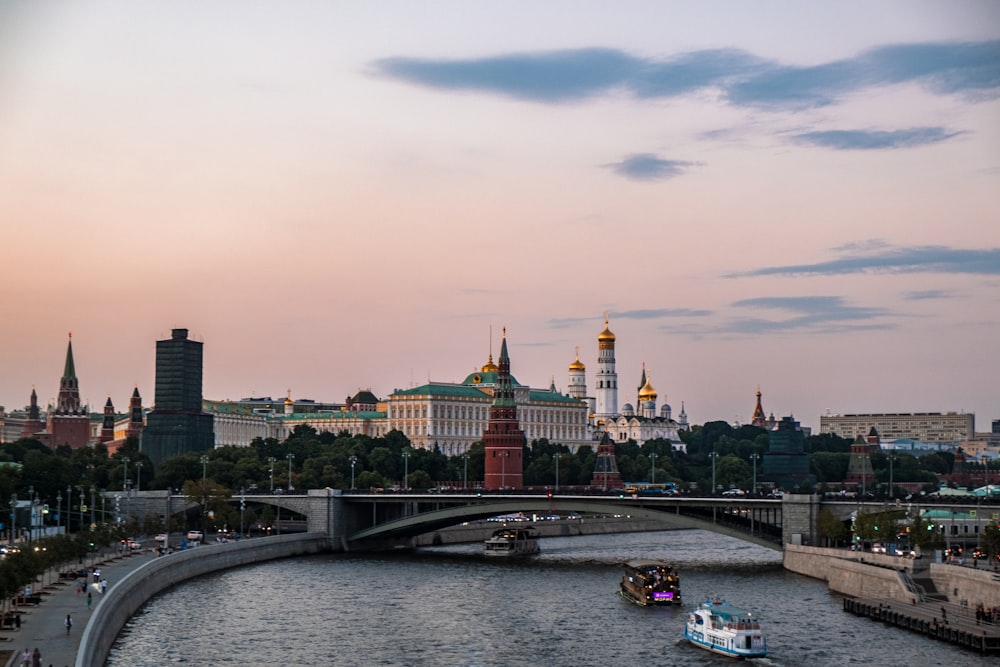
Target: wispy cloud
(925, 295)
(639, 314)
(743, 79)
(875, 139)
(648, 167)
(888, 259)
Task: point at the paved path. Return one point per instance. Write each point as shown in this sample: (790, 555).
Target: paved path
(43, 626)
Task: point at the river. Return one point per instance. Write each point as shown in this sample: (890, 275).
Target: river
(449, 606)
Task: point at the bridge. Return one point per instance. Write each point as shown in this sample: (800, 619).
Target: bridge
(358, 521)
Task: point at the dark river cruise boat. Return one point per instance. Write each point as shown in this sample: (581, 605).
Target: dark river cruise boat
(650, 582)
(510, 541)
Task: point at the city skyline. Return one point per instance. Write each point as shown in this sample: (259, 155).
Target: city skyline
(341, 197)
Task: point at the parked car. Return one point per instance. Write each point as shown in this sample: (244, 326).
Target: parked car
(195, 536)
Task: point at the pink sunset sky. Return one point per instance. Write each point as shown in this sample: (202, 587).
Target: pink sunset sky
(801, 197)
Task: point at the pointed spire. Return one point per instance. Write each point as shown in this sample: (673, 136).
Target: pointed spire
(69, 372)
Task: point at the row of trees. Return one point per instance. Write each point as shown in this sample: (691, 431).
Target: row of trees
(308, 459)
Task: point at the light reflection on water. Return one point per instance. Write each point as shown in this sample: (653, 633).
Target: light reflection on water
(450, 606)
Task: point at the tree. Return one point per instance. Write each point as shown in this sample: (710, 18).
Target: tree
(830, 528)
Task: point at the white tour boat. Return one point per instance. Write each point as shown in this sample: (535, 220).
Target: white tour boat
(722, 628)
(512, 541)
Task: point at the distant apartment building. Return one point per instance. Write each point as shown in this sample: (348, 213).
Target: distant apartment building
(934, 427)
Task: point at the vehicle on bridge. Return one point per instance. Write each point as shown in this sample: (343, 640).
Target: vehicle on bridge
(649, 489)
(511, 541)
(650, 582)
(719, 627)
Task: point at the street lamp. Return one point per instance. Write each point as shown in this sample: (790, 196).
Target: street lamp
(243, 506)
(270, 460)
(754, 457)
(290, 457)
(59, 511)
(557, 470)
(353, 459)
(713, 456)
(82, 506)
(465, 471)
(204, 469)
(503, 469)
(13, 517)
(652, 468)
(406, 470)
(138, 476)
(125, 474)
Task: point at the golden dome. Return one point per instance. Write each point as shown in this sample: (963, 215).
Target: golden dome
(606, 335)
(288, 399)
(577, 365)
(647, 393)
(490, 367)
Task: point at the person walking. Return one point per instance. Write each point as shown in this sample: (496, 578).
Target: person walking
(68, 623)
(25, 657)
(36, 658)
(90, 600)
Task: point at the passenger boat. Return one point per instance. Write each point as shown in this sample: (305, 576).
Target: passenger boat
(510, 541)
(650, 582)
(722, 628)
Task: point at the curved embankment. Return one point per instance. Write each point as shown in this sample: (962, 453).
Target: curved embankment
(136, 588)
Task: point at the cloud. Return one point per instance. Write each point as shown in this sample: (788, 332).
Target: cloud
(810, 314)
(889, 259)
(640, 314)
(875, 140)
(970, 68)
(648, 167)
(926, 295)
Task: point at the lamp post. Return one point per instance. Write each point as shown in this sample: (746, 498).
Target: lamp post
(406, 470)
(290, 457)
(82, 506)
(58, 510)
(204, 470)
(713, 456)
(353, 459)
(31, 512)
(652, 468)
(503, 469)
(270, 460)
(754, 458)
(243, 507)
(125, 474)
(557, 471)
(69, 505)
(13, 517)
(138, 476)
(465, 470)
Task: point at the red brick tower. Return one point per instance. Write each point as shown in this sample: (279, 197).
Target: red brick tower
(69, 423)
(108, 423)
(503, 439)
(33, 424)
(134, 428)
(759, 418)
(859, 466)
(606, 475)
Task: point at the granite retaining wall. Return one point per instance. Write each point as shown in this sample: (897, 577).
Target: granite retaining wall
(118, 605)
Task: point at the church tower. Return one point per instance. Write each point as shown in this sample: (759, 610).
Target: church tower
(647, 397)
(606, 475)
(69, 423)
(577, 379)
(503, 439)
(607, 378)
(759, 418)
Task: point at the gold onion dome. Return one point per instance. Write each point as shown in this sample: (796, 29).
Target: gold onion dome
(606, 335)
(490, 367)
(577, 365)
(647, 393)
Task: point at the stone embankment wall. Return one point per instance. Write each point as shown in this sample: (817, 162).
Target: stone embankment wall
(877, 576)
(123, 600)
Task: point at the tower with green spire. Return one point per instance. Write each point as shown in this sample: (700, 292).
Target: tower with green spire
(503, 438)
(69, 422)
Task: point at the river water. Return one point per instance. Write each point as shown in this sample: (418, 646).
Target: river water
(449, 606)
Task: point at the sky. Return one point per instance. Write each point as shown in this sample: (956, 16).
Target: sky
(798, 197)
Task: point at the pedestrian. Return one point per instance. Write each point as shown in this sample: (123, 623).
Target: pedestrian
(104, 586)
(79, 587)
(68, 623)
(90, 600)
(25, 657)
(36, 658)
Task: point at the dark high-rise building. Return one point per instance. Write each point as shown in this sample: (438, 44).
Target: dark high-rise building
(786, 462)
(176, 424)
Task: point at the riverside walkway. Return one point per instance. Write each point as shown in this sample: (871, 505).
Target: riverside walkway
(42, 625)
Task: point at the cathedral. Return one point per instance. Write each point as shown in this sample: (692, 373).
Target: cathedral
(629, 423)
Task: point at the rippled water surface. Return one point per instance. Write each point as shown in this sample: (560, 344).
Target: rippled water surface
(449, 606)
